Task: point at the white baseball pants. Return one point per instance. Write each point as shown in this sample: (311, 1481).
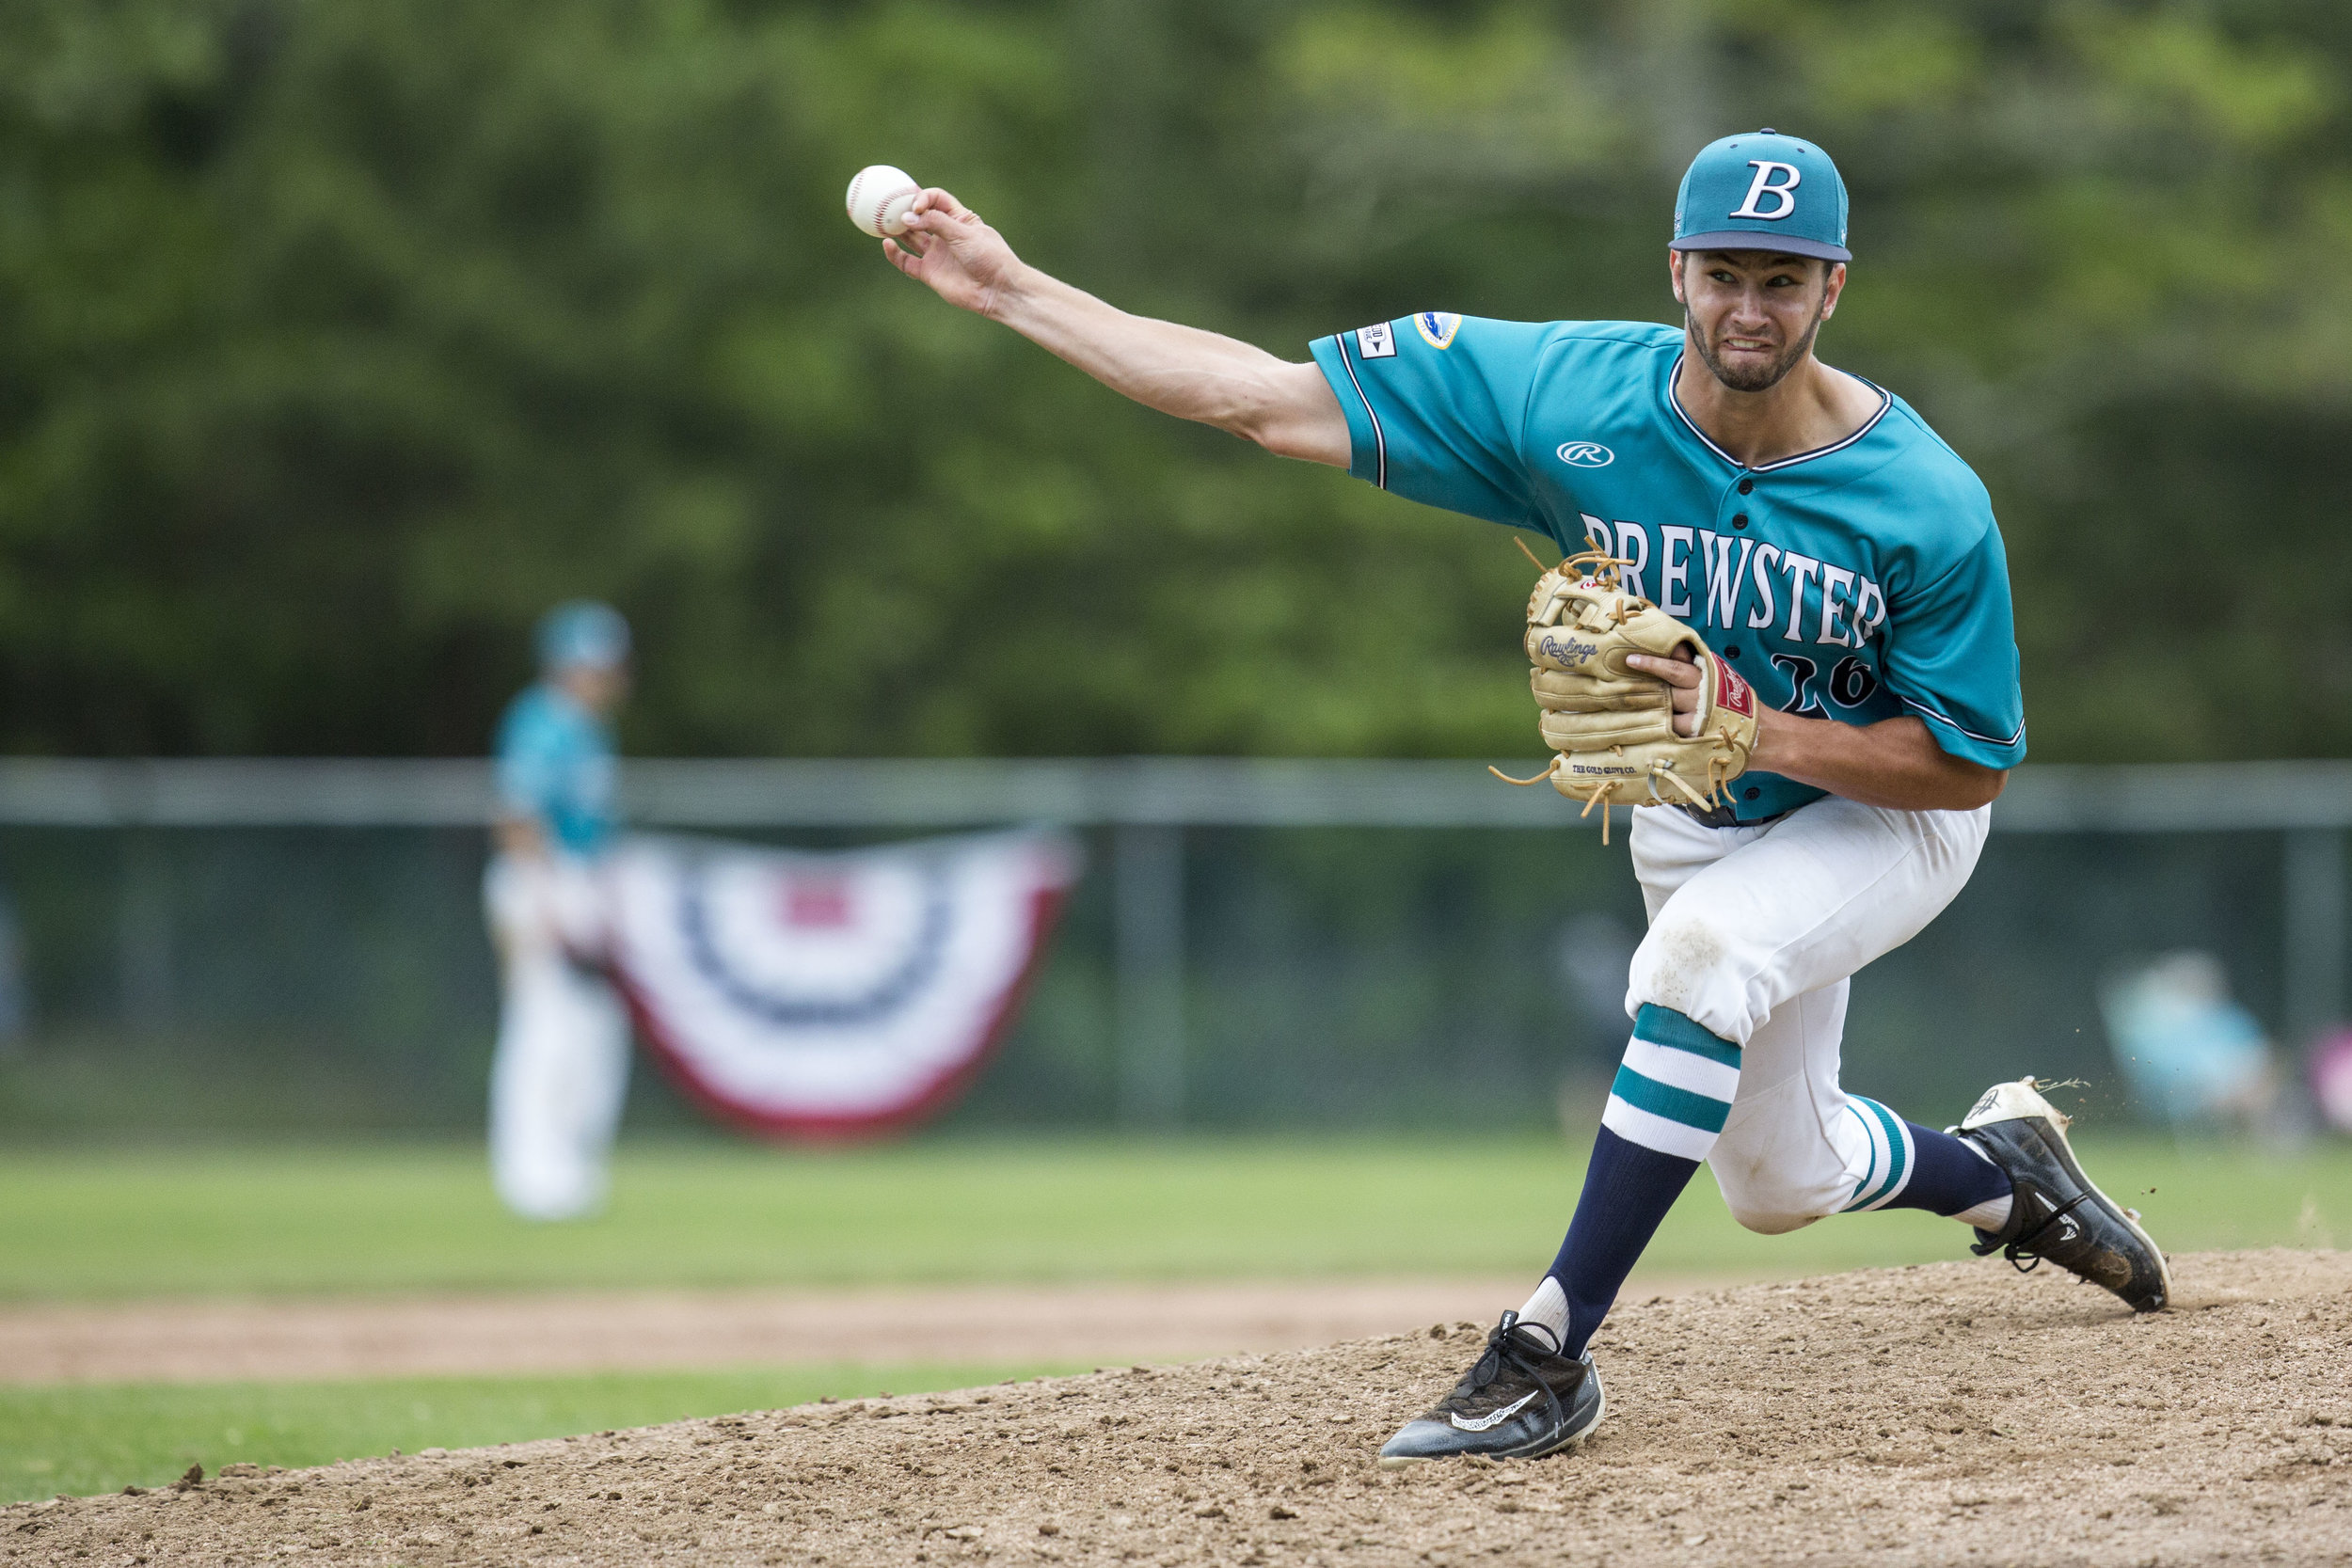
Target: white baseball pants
(1754, 935)
(561, 1075)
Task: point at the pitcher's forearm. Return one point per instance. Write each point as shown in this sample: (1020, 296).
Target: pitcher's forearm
(1203, 376)
(1895, 764)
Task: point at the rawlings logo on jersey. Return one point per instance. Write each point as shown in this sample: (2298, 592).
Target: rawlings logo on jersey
(1731, 691)
(1438, 328)
(1587, 454)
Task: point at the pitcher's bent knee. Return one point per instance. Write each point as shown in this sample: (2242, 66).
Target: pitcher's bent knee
(1771, 1199)
(1765, 1220)
(1687, 962)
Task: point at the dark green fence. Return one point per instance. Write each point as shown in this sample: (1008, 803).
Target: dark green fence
(314, 979)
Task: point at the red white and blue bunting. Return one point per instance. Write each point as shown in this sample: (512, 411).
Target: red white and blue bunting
(826, 995)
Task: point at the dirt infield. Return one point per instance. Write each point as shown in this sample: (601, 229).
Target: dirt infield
(1936, 1415)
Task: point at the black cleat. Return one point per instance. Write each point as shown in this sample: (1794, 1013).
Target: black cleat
(2056, 1213)
(1521, 1400)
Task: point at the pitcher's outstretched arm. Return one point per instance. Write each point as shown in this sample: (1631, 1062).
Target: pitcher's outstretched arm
(1287, 408)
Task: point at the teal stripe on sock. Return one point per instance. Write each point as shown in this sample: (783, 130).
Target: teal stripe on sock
(1664, 1100)
(1897, 1167)
(1897, 1147)
(1664, 1026)
(1861, 1195)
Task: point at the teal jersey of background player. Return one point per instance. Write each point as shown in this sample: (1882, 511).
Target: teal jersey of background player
(1855, 583)
(555, 765)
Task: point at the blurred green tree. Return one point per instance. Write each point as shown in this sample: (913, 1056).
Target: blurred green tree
(336, 339)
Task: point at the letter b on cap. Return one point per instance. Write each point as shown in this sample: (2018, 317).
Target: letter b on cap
(1780, 191)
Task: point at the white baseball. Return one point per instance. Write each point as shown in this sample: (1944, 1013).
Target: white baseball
(879, 200)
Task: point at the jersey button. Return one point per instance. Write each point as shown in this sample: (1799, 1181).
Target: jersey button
(1753, 792)
(1732, 652)
(1746, 485)
(1740, 521)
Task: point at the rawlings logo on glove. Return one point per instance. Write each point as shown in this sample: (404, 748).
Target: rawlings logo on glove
(1564, 653)
(1610, 725)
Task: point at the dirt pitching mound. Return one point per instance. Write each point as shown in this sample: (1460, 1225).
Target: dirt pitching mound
(1949, 1414)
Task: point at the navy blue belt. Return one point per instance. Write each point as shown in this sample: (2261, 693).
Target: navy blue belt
(1722, 816)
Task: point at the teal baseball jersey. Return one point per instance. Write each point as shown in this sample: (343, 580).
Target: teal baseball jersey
(1855, 583)
(555, 765)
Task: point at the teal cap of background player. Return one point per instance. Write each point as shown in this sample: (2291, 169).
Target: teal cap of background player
(583, 632)
(1763, 191)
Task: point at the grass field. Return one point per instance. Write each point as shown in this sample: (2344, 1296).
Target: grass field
(390, 1218)
(86, 1225)
(101, 1438)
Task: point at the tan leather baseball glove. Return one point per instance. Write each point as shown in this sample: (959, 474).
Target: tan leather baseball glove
(1610, 725)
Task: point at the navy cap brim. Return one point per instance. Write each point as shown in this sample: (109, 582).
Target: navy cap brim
(1758, 239)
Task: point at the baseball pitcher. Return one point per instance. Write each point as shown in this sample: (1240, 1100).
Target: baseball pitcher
(561, 1073)
(1781, 632)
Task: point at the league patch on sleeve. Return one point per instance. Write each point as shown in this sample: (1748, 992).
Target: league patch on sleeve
(1377, 341)
(1437, 326)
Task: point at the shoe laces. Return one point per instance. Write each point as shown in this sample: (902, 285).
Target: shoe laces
(1505, 1349)
(2027, 1245)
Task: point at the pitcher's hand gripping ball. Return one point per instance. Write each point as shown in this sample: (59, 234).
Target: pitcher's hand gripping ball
(1610, 725)
(878, 198)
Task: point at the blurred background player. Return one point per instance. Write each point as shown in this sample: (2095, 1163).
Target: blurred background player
(562, 1068)
(2193, 1054)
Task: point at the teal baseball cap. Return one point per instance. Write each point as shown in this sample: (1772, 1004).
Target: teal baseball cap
(1762, 191)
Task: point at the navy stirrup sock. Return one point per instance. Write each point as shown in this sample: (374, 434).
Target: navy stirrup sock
(1916, 1167)
(1949, 1177)
(1664, 1111)
(1628, 1190)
